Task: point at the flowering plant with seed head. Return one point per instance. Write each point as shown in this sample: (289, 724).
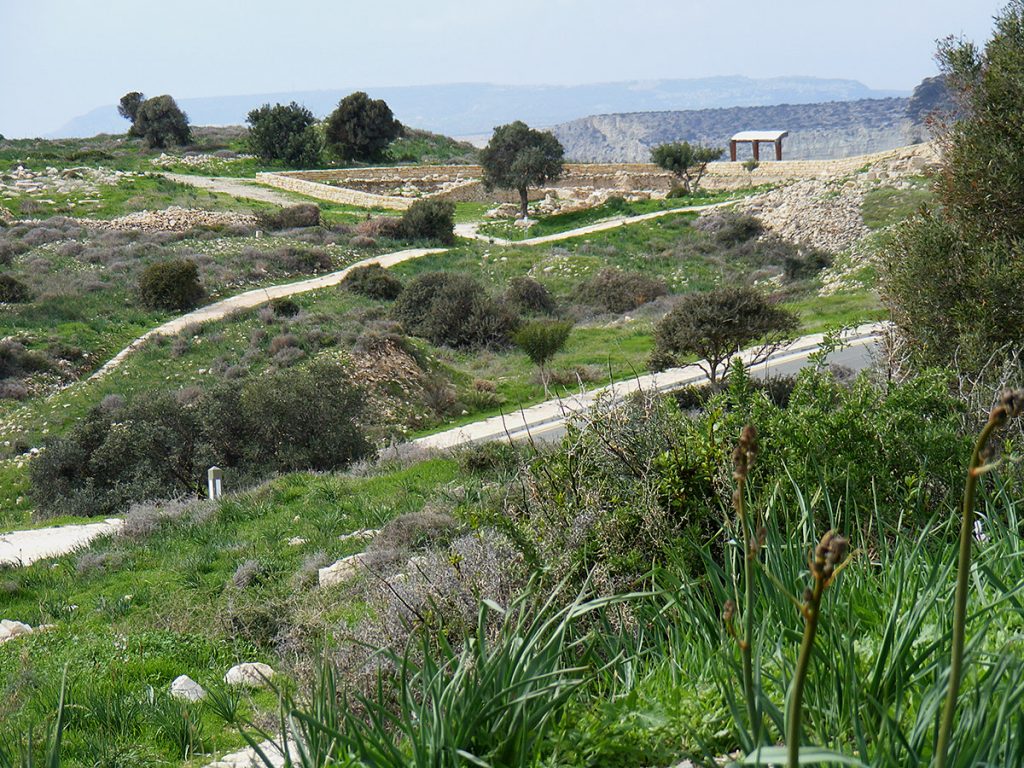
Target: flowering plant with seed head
(743, 459)
(828, 558)
(1010, 406)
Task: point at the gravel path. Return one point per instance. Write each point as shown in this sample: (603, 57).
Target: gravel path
(470, 230)
(254, 298)
(25, 547)
(243, 188)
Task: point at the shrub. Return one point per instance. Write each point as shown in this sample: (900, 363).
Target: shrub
(159, 446)
(715, 325)
(454, 310)
(16, 360)
(145, 451)
(12, 389)
(291, 217)
(529, 296)
(804, 262)
(542, 340)
(389, 227)
(430, 219)
(617, 204)
(951, 277)
(172, 285)
(614, 290)
(729, 227)
(360, 128)
(284, 133)
(306, 420)
(285, 307)
(13, 291)
(373, 281)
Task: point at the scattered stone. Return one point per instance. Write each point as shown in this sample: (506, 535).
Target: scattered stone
(296, 541)
(342, 571)
(363, 534)
(252, 674)
(173, 219)
(9, 630)
(187, 689)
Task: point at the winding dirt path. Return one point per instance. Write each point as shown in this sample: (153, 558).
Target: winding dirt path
(220, 309)
(236, 187)
(470, 230)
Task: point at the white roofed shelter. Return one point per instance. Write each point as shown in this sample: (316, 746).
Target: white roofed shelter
(754, 138)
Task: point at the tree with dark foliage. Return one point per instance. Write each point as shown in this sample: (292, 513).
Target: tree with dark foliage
(519, 157)
(285, 134)
(715, 325)
(361, 128)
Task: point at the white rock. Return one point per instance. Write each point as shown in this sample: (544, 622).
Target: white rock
(253, 674)
(296, 541)
(341, 571)
(362, 533)
(12, 629)
(187, 689)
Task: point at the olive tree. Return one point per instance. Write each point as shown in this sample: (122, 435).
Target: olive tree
(715, 325)
(128, 107)
(686, 161)
(158, 120)
(951, 276)
(519, 157)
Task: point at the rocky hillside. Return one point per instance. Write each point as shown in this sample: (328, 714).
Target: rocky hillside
(820, 131)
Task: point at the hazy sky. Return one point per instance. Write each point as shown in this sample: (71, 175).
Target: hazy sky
(62, 58)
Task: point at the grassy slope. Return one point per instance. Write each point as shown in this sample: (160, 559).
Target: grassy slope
(606, 348)
(134, 613)
(563, 222)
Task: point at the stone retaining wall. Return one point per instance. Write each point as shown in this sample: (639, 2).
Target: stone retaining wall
(397, 187)
(331, 194)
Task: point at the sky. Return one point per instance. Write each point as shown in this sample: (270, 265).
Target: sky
(62, 58)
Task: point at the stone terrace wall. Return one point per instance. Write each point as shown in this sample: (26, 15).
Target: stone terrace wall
(397, 187)
(321, 191)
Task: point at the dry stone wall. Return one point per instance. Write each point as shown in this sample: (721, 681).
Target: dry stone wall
(398, 187)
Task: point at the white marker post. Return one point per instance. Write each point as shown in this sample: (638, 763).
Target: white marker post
(215, 482)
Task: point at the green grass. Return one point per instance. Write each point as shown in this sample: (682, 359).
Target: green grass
(563, 222)
(885, 206)
(602, 350)
(150, 192)
(136, 613)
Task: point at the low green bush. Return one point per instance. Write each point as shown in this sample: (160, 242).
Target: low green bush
(430, 219)
(291, 217)
(530, 296)
(285, 307)
(615, 290)
(13, 291)
(454, 310)
(374, 282)
(159, 445)
(171, 285)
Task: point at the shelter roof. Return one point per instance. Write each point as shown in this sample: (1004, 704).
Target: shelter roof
(759, 135)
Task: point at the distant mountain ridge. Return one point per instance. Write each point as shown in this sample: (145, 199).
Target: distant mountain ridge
(467, 109)
(821, 131)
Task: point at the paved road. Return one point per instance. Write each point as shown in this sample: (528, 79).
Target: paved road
(470, 230)
(547, 420)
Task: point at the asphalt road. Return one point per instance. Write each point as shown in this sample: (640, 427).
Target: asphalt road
(546, 421)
